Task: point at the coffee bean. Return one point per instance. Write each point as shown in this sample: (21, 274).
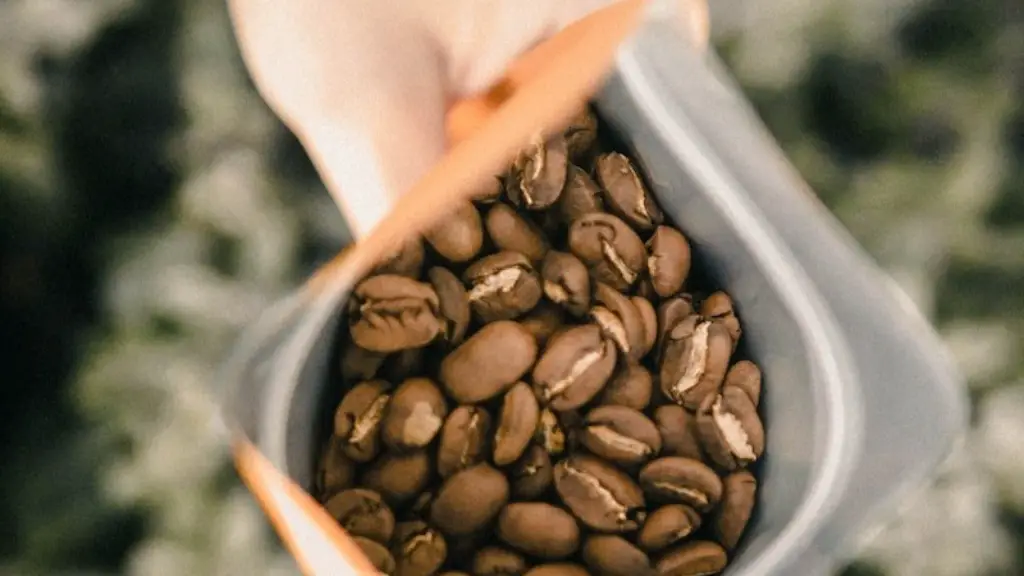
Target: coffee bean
(580, 197)
(498, 561)
(414, 415)
(718, 307)
(490, 192)
(611, 250)
(566, 282)
(398, 477)
(532, 475)
(362, 513)
(464, 440)
(678, 429)
(621, 435)
(668, 525)
(631, 386)
(696, 356)
(403, 364)
(419, 550)
(669, 260)
(682, 480)
(549, 433)
(513, 233)
(581, 135)
(608, 555)
(420, 507)
(625, 192)
(473, 373)
(558, 569)
(469, 500)
(391, 313)
(503, 286)
(649, 320)
(670, 314)
(406, 261)
(601, 496)
(377, 554)
(359, 417)
(697, 558)
(739, 494)
(358, 364)
(543, 321)
(517, 423)
(539, 529)
(730, 429)
(454, 304)
(645, 289)
(460, 235)
(619, 320)
(746, 376)
(335, 472)
(538, 174)
(574, 367)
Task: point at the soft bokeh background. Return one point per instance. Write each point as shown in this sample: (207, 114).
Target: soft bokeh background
(150, 205)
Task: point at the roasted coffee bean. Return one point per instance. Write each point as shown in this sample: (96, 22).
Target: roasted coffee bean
(543, 321)
(668, 525)
(581, 135)
(490, 192)
(462, 549)
(550, 434)
(608, 555)
(746, 376)
(558, 569)
(678, 429)
(391, 313)
(611, 249)
(649, 319)
(335, 472)
(625, 192)
(414, 415)
(420, 507)
(358, 364)
(621, 435)
(465, 438)
(359, 417)
(473, 373)
(469, 500)
(580, 197)
(670, 314)
(402, 365)
(460, 235)
(497, 561)
(683, 480)
(572, 423)
(619, 320)
(517, 422)
(566, 282)
(730, 429)
(739, 494)
(407, 261)
(718, 306)
(454, 304)
(600, 495)
(539, 529)
(398, 478)
(697, 558)
(645, 289)
(631, 386)
(513, 233)
(532, 475)
(575, 366)
(669, 260)
(377, 554)
(696, 356)
(419, 550)
(362, 513)
(503, 286)
(538, 174)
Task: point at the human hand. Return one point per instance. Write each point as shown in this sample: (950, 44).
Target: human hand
(366, 86)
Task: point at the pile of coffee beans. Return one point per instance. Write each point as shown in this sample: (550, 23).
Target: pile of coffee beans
(535, 387)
